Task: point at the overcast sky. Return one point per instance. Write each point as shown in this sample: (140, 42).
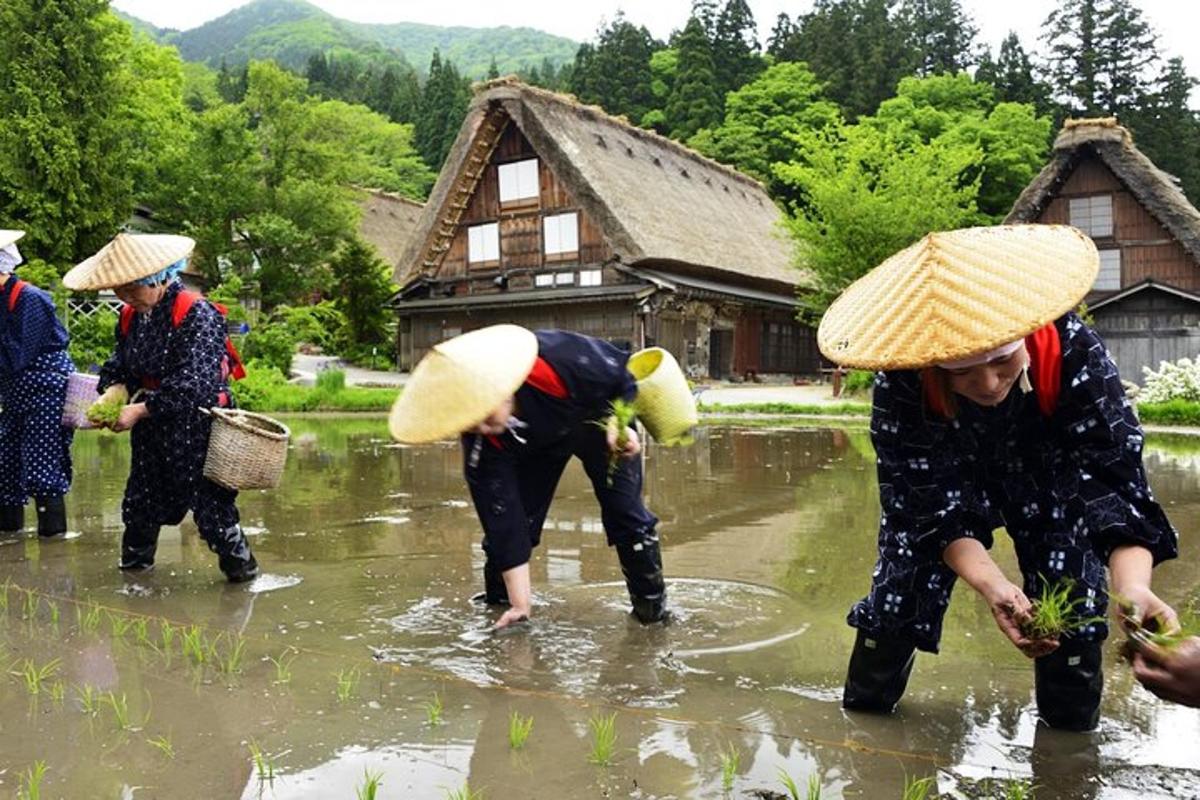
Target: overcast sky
(1175, 21)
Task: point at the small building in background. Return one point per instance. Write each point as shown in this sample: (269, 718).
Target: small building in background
(551, 214)
(1146, 299)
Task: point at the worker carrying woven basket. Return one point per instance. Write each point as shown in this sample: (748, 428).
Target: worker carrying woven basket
(525, 403)
(35, 446)
(995, 405)
(173, 358)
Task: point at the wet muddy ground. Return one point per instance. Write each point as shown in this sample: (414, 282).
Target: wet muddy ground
(360, 652)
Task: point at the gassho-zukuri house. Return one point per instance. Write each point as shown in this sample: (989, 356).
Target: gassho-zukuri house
(552, 214)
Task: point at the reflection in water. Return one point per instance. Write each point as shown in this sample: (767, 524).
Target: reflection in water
(364, 618)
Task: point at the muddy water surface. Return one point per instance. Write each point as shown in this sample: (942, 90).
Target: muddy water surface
(361, 651)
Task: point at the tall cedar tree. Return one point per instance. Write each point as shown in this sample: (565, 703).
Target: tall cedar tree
(1013, 75)
(614, 73)
(443, 107)
(66, 175)
(735, 51)
(783, 44)
(693, 103)
(1168, 130)
(363, 284)
(941, 36)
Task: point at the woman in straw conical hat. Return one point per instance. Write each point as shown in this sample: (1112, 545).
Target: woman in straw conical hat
(994, 404)
(172, 358)
(35, 447)
(525, 403)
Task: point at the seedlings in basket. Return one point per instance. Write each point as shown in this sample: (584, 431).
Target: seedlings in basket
(1055, 612)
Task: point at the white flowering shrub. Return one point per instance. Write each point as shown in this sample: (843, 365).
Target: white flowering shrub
(1179, 380)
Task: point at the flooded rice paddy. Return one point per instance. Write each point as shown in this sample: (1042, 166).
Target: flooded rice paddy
(360, 653)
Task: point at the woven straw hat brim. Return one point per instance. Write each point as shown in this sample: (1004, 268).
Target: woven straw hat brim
(460, 381)
(8, 237)
(957, 294)
(127, 258)
(665, 403)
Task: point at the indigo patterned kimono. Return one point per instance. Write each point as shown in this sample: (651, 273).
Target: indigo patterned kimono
(178, 369)
(1069, 488)
(35, 447)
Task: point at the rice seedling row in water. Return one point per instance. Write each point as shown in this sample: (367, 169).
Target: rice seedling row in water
(30, 607)
(53, 606)
(163, 745)
(89, 699)
(370, 785)
(264, 767)
(433, 710)
(231, 662)
(120, 709)
(1055, 612)
(4, 587)
(89, 620)
(918, 788)
(604, 739)
(119, 624)
(283, 666)
(192, 644)
(31, 782)
(347, 683)
(35, 677)
(730, 761)
(519, 729)
(140, 628)
(57, 692)
(813, 791)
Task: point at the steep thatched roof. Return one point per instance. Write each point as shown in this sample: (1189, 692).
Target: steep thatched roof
(1157, 191)
(388, 221)
(654, 199)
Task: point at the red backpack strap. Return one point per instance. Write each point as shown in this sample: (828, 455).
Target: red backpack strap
(235, 359)
(183, 304)
(17, 286)
(126, 323)
(543, 378)
(1045, 366)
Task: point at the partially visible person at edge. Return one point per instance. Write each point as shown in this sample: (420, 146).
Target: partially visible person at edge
(525, 404)
(1172, 674)
(995, 405)
(35, 446)
(171, 359)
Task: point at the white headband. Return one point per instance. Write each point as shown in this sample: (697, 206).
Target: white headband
(10, 257)
(983, 358)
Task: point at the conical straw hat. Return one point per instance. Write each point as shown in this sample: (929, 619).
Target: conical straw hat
(8, 237)
(665, 404)
(460, 381)
(957, 294)
(127, 258)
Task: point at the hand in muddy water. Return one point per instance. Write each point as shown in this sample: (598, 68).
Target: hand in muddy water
(512, 616)
(1012, 609)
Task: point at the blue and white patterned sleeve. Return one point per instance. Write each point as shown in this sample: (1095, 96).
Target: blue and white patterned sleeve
(29, 330)
(1103, 438)
(922, 495)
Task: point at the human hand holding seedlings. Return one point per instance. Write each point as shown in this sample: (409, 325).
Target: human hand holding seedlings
(1010, 607)
(1129, 567)
(1172, 674)
(623, 447)
(130, 415)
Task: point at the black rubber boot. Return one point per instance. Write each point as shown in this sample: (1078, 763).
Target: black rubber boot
(234, 556)
(52, 516)
(495, 593)
(12, 519)
(1068, 684)
(641, 562)
(878, 673)
(138, 546)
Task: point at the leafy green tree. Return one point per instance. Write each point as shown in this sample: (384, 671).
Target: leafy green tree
(614, 73)
(231, 83)
(66, 169)
(763, 119)
(1013, 75)
(664, 65)
(941, 35)
(363, 285)
(693, 103)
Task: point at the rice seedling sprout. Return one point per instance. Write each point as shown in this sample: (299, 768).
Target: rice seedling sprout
(263, 766)
(89, 621)
(730, 761)
(1055, 612)
(119, 624)
(918, 788)
(231, 662)
(31, 782)
(1018, 790)
(620, 417)
(89, 699)
(433, 710)
(464, 793)
(163, 745)
(369, 788)
(347, 683)
(120, 709)
(30, 607)
(519, 729)
(283, 665)
(36, 676)
(604, 739)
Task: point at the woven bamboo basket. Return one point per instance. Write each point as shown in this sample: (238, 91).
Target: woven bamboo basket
(81, 393)
(665, 404)
(245, 450)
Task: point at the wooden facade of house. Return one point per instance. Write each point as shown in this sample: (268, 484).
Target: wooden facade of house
(1146, 299)
(550, 214)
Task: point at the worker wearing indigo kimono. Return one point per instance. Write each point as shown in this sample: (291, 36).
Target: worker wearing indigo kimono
(525, 404)
(995, 405)
(171, 360)
(35, 446)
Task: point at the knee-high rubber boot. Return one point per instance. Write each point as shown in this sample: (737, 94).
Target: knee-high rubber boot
(641, 562)
(1068, 684)
(234, 556)
(138, 546)
(12, 519)
(878, 673)
(52, 516)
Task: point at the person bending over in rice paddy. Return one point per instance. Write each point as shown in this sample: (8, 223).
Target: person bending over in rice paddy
(995, 405)
(35, 446)
(525, 403)
(172, 356)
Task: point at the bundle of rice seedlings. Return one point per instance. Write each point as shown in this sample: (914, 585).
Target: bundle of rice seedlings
(1055, 612)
